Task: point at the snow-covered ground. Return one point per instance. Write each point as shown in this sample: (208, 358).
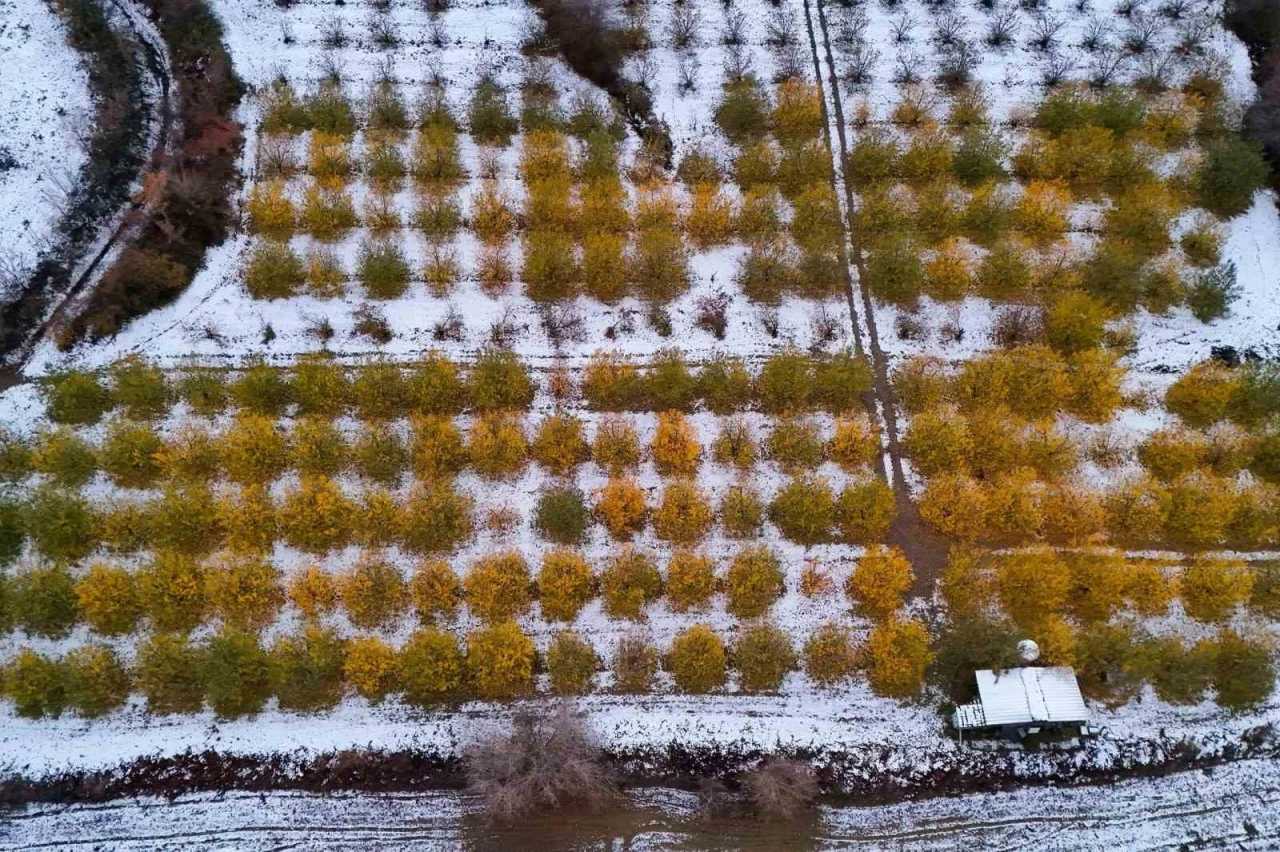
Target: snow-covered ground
(1230, 807)
(45, 114)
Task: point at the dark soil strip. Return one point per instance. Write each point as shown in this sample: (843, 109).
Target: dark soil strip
(595, 51)
(870, 775)
(925, 548)
(115, 59)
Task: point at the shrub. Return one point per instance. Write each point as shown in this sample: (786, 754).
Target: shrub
(856, 442)
(271, 211)
(489, 115)
(75, 398)
(754, 582)
(306, 669)
(372, 668)
(1202, 395)
(865, 511)
(499, 380)
(245, 592)
(559, 445)
(436, 158)
(1170, 454)
(328, 214)
(438, 451)
(172, 590)
(1032, 585)
(571, 662)
(1232, 170)
(435, 591)
(130, 455)
(1200, 510)
(437, 520)
(35, 684)
(1180, 673)
(659, 265)
(804, 510)
(697, 660)
(561, 515)
(373, 593)
(1202, 247)
(635, 663)
(724, 384)
(380, 456)
(829, 656)
(62, 526)
(691, 581)
(786, 383)
(797, 113)
(249, 520)
(435, 386)
(498, 587)
(743, 111)
(816, 224)
(604, 267)
(43, 601)
(742, 512)
(313, 592)
(684, 516)
(1071, 514)
(735, 445)
(431, 668)
(612, 383)
(1137, 511)
(237, 674)
(565, 584)
(550, 272)
(107, 600)
(383, 270)
(1095, 385)
(1213, 588)
(497, 446)
(675, 448)
(1243, 671)
(1097, 586)
(380, 392)
(710, 219)
(1107, 666)
(955, 505)
(629, 583)
(124, 528)
(763, 655)
(254, 450)
(894, 272)
(500, 661)
(796, 445)
(316, 516)
(64, 457)
(15, 457)
(191, 455)
(12, 534)
(879, 581)
(261, 389)
(169, 671)
(620, 507)
(318, 447)
(897, 653)
(139, 387)
(668, 384)
(274, 271)
(921, 384)
(492, 217)
(616, 447)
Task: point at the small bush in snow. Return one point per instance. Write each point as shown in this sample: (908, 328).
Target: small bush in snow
(431, 668)
(500, 661)
(629, 583)
(762, 655)
(373, 593)
(571, 663)
(237, 675)
(804, 510)
(829, 656)
(754, 582)
(371, 668)
(306, 669)
(313, 592)
(499, 587)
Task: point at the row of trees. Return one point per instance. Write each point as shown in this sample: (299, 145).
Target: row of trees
(1199, 511)
(317, 516)
(790, 382)
(314, 669)
(174, 592)
(253, 449)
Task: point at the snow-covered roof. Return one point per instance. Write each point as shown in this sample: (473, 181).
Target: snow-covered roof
(1019, 696)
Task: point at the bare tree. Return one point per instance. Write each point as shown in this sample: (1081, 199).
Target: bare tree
(1003, 28)
(858, 67)
(1044, 32)
(545, 763)
(781, 789)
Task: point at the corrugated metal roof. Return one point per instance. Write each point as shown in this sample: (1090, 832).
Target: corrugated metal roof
(1018, 696)
(969, 716)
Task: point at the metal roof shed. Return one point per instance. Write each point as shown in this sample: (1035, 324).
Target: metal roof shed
(1024, 696)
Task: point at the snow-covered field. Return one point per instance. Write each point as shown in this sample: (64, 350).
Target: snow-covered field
(216, 321)
(1231, 807)
(45, 114)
